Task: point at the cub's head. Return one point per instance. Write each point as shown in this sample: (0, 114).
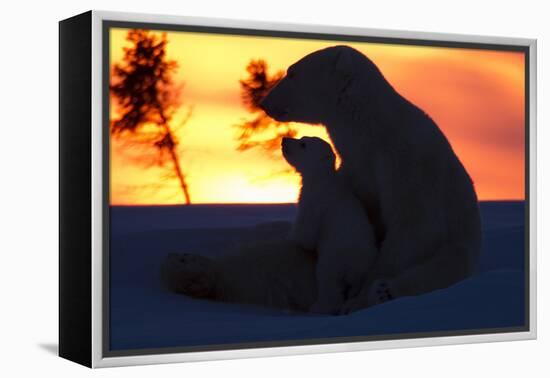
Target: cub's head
(309, 155)
(313, 86)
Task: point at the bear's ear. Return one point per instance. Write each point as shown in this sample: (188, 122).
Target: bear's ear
(343, 62)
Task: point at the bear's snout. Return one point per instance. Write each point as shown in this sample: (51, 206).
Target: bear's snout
(268, 105)
(265, 104)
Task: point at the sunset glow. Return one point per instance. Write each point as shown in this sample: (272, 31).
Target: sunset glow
(476, 97)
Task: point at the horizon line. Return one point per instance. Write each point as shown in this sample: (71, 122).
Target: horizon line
(257, 203)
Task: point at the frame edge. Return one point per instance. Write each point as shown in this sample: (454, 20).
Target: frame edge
(98, 360)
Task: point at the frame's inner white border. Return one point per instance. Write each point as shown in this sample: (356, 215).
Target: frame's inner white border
(97, 203)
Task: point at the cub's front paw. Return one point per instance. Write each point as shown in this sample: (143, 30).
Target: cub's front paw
(320, 308)
(381, 291)
(354, 304)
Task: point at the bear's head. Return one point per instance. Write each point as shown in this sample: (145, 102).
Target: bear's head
(315, 84)
(309, 155)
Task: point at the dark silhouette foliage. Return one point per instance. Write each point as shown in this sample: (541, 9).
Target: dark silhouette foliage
(260, 131)
(147, 98)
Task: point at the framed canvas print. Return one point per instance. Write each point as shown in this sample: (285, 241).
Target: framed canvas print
(233, 189)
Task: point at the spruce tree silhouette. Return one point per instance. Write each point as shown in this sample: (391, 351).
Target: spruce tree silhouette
(260, 131)
(147, 98)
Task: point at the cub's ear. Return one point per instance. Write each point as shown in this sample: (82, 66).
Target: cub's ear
(330, 158)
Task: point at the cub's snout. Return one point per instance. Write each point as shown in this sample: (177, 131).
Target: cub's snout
(288, 145)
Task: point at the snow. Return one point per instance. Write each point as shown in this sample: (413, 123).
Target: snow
(145, 315)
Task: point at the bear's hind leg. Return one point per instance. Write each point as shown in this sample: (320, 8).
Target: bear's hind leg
(451, 265)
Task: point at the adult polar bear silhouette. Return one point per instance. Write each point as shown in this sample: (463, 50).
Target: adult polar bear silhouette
(418, 196)
(331, 221)
(416, 192)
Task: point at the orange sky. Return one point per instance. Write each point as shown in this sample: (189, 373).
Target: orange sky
(476, 97)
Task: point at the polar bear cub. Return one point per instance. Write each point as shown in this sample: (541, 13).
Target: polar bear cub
(330, 221)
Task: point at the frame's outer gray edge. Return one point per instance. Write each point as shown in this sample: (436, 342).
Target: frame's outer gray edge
(533, 190)
(97, 333)
(97, 192)
(315, 28)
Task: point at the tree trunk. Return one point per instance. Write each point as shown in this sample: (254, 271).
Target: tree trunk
(181, 177)
(177, 167)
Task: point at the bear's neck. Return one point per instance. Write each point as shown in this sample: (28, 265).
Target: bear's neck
(361, 121)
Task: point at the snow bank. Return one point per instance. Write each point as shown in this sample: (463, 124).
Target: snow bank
(145, 315)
